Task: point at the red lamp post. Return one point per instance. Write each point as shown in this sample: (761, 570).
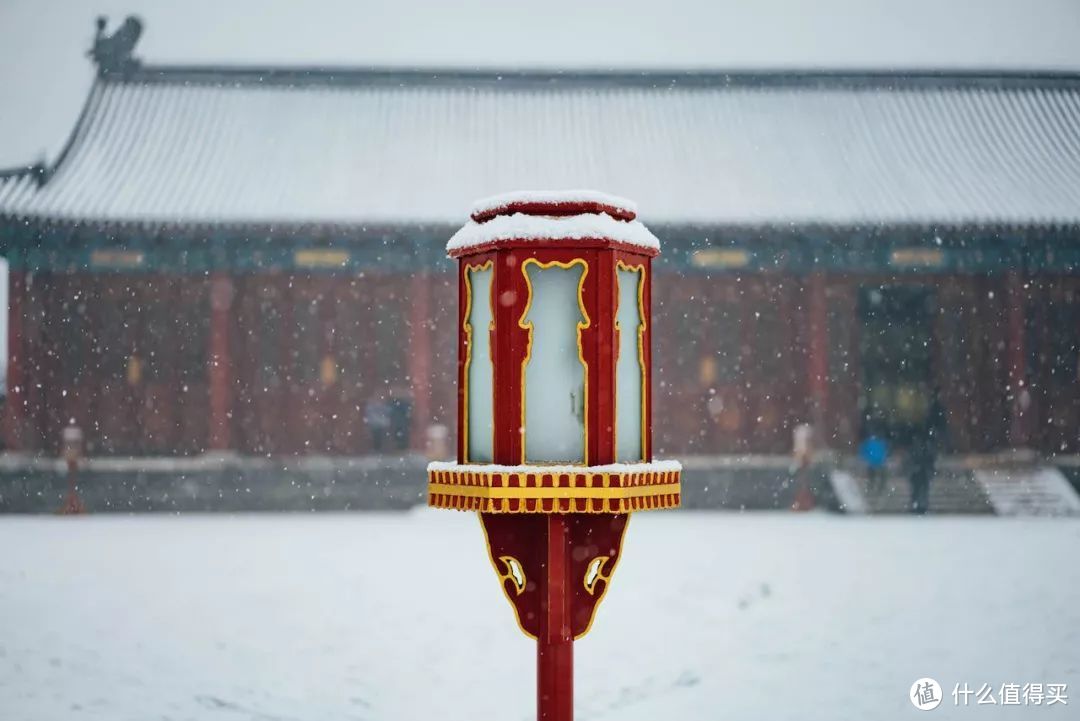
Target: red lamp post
(554, 436)
(72, 443)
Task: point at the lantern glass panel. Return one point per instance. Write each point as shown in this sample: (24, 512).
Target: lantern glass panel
(555, 371)
(629, 369)
(481, 371)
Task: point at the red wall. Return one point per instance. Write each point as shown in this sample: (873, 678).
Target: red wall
(125, 356)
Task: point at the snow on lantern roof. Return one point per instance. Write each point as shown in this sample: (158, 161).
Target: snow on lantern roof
(561, 215)
(553, 202)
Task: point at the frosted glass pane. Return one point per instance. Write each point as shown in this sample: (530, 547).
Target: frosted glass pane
(628, 370)
(481, 371)
(555, 375)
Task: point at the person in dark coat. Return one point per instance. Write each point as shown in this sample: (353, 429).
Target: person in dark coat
(401, 408)
(874, 451)
(377, 418)
(926, 443)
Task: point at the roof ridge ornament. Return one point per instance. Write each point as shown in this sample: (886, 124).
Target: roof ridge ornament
(37, 170)
(113, 53)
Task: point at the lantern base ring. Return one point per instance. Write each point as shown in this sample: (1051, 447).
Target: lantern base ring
(611, 488)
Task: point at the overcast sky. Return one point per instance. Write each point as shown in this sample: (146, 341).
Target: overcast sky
(44, 74)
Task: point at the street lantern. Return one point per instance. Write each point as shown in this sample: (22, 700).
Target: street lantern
(554, 446)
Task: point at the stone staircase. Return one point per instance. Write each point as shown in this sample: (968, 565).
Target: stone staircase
(1006, 490)
(952, 491)
(1038, 491)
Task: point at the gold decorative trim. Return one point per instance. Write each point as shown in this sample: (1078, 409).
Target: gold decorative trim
(917, 257)
(515, 574)
(640, 270)
(528, 327)
(720, 258)
(468, 330)
(554, 492)
(321, 258)
(594, 573)
(117, 258)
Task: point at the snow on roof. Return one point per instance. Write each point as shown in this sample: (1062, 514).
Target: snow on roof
(556, 200)
(15, 187)
(171, 146)
(519, 226)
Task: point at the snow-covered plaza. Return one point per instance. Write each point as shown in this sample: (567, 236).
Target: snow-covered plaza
(399, 617)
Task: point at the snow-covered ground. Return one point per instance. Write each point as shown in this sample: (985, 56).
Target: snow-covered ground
(399, 617)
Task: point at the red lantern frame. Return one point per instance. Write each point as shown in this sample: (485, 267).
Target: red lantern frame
(554, 531)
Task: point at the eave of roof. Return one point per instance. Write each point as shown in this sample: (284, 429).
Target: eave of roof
(302, 76)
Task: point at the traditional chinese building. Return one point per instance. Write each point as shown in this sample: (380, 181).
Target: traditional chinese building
(252, 259)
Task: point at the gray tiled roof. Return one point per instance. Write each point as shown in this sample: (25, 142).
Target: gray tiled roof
(202, 146)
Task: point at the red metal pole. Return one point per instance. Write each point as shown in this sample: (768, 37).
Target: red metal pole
(220, 364)
(420, 356)
(555, 644)
(15, 409)
(817, 362)
(1017, 355)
